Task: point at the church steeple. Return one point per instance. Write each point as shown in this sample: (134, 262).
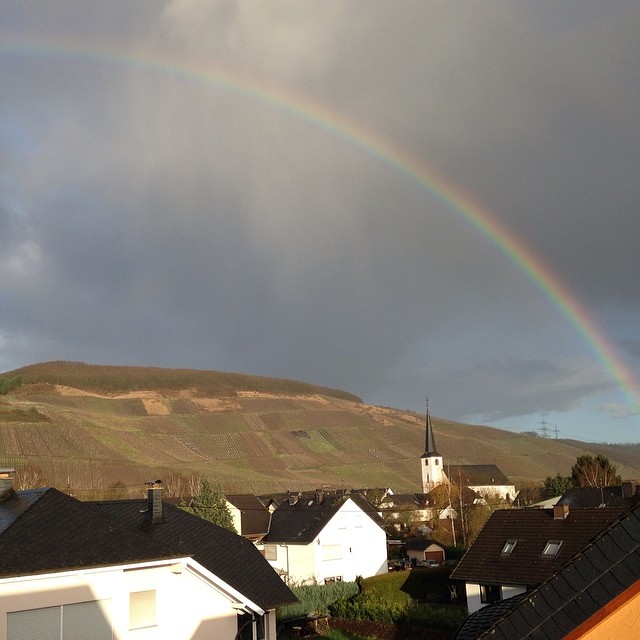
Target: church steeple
(430, 442)
(431, 460)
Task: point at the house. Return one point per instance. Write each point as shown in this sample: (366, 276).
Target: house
(518, 549)
(136, 569)
(595, 595)
(319, 538)
(420, 550)
(486, 480)
(250, 516)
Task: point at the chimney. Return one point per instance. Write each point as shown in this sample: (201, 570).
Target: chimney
(628, 488)
(6, 483)
(319, 496)
(293, 498)
(560, 511)
(154, 501)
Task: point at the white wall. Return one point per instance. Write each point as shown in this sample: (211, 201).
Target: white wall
(187, 606)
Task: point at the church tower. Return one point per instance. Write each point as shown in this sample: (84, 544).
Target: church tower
(431, 460)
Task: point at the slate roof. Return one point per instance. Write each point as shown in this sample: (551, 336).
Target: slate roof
(301, 522)
(229, 556)
(254, 516)
(476, 474)
(45, 530)
(484, 563)
(604, 569)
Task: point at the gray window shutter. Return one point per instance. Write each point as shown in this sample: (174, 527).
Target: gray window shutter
(34, 624)
(87, 621)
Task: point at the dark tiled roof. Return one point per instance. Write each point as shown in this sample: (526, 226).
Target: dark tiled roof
(254, 516)
(421, 544)
(229, 556)
(602, 571)
(532, 529)
(51, 531)
(483, 619)
(594, 497)
(475, 474)
(301, 522)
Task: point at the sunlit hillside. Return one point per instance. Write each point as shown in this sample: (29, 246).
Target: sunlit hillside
(92, 428)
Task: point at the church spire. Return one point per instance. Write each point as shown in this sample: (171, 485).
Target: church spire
(430, 442)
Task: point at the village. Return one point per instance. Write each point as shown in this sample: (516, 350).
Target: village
(150, 569)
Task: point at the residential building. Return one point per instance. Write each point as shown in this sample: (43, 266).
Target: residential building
(421, 550)
(518, 549)
(250, 516)
(596, 595)
(136, 569)
(318, 538)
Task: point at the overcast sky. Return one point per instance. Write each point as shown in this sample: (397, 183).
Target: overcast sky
(207, 184)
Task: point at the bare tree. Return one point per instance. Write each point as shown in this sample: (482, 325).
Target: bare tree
(29, 477)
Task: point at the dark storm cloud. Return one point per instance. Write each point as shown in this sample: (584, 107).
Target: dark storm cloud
(151, 217)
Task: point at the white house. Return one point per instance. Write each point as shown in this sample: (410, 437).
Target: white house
(318, 538)
(130, 569)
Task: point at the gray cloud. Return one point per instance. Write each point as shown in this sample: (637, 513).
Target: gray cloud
(150, 216)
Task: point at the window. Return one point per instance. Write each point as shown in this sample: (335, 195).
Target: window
(77, 621)
(270, 552)
(551, 548)
(333, 579)
(142, 609)
(332, 552)
(490, 593)
(509, 546)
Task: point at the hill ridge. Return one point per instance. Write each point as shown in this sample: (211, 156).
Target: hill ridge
(262, 435)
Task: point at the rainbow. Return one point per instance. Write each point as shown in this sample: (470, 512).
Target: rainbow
(353, 133)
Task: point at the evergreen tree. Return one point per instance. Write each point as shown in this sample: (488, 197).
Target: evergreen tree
(594, 472)
(210, 504)
(556, 486)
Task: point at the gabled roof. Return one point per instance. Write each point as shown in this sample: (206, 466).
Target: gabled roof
(254, 516)
(421, 544)
(600, 575)
(46, 530)
(301, 522)
(229, 556)
(532, 529)
(475, 474)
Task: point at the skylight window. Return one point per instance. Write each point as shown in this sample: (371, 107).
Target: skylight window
(551, 548)
(509, 546)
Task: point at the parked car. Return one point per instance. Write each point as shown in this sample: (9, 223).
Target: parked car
(428, 563)
(399, 565)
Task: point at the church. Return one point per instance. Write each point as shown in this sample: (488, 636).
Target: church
(484, 479)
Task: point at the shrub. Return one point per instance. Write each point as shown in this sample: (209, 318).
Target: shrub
(316, 598)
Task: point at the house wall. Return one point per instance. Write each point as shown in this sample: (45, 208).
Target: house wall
(474, 601)
(236, 516)
(624, 622)
(187, 606)
(505, 492)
